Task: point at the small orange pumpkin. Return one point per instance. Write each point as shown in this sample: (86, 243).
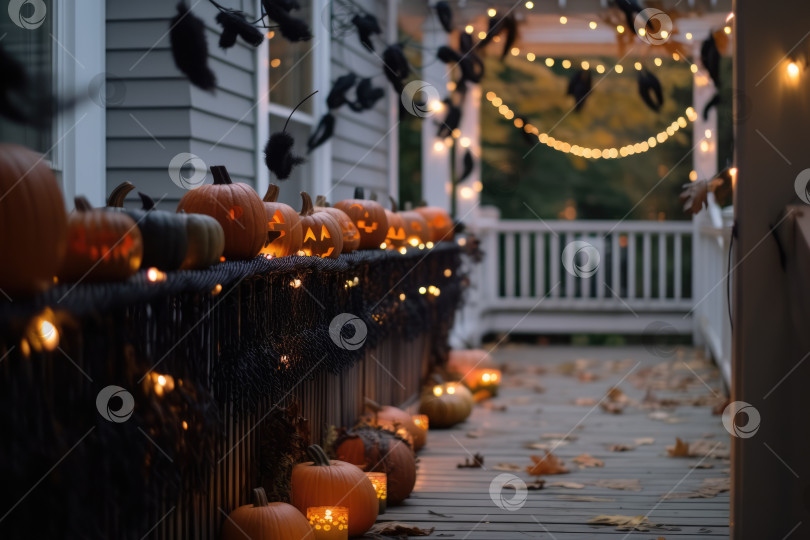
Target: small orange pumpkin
(351, 236)
(102, 245)
(439, 222)
(394, 418)
(284, 236)
(322, 482)
(262, 520)
(369, 218)
(33, 221)
(238, 209)
(446, 404)
(322, 235)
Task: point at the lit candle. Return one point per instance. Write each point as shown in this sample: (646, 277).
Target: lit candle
(380, 482)
(329, 522)
(487, 379)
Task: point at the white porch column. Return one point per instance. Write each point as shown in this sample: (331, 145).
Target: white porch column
(468, 195)
(436, 183)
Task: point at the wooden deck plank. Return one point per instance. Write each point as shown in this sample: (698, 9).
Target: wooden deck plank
(457, 502)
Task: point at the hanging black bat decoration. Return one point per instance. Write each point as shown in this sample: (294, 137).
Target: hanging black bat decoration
(325, 130)
(14, 88)
(190, 48)
(630, 8)
(710, 58)
(497, 25)
(468, 166)
(286, 5)
(278, 155)
(396, 67)
(714, 102)
(472, 67)
(580, 86)
(451, 121)
(445, 15)
(367, 26)
(649, 87)
(367, 96)
(234, 24)
(292, 28)
(337, 96)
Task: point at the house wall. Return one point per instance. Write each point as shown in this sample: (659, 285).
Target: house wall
(155, 113)
(771, 472)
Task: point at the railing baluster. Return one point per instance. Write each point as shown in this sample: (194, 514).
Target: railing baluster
(490, 246)
(509, 264)
(525, 266)
(570, 280)
(540, 264)
(616, 264)
(631, 265)
(678, 264)
(601, 271)
(662, 266)
(647, 268)
(554, 265)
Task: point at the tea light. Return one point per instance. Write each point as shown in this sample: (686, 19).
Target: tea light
(487, 379)
(421, 420)
(329, 522)
(380, 482)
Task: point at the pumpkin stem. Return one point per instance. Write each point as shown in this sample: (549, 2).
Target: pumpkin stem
(318, 456)
(320, 200)
(394, 205)
(117, 195)
(221, 176)
(272, 193)
(306, 208)
(358, 193)
(259, 497)
(82, 204)
(148, 203)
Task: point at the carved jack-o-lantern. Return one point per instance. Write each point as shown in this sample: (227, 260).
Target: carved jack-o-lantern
(439, 222)
(284, 235)
(351, 236)
(396, 236)
(369, 217)
(322, 234)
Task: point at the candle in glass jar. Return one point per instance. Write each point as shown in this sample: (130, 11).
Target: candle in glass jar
(329, 522)
(380, 482)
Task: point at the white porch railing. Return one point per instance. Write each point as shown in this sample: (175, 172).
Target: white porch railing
(643, 277)
(712, 282)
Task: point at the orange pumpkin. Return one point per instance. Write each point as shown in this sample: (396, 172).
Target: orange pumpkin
(416, 228)
(379, 450)
(394, 418)
(284, 236)
(322, 235)
(322, 482)
(33, 222)
(351, 236)
(102, 245)
(446, 404)
(396, 236)
(238, 209)
(262, 520)
(369, 218)
(439, 223)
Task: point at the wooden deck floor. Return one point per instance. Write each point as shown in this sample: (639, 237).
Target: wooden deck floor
(540, 407)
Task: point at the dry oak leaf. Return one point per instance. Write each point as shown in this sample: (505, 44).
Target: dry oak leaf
(681, 449)
(625, 523)
(628, 484)
(548, 464)
(587, 460)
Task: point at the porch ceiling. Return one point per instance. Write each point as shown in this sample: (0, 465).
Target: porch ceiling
(541, 32)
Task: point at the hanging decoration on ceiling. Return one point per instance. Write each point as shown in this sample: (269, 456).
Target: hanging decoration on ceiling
(278, 155)
(649, 87)
(190, 48)
(445, 14)
(580, 87)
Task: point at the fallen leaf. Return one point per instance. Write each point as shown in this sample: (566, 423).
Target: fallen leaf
(632, 484)
(617, 395)
(642, 441)
(548, 464)
(702, 465)
(587, 460)
(710, 488)
(476, 463)
(569, 485)
(587, 376)
(681, 449)
(625, 523)
(584, 498)
(700, 448)
(563, 436)
(512, 467)
(536, 485)
(585, 402)
(620, 448)
(396, 528)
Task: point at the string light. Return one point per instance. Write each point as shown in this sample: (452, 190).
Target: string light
(566, 63)
(585, 65)
(727, 29)
(530, 57)
(469, 29)
(600, 68)
(619, 68)
(793, 69)
(658, 62)
(549, 62)
(592, 25)
(638, 66)
(529, 4)
(620, 29)
(491, 12)
(563, 20)
(602, 153)
(482, 35)
(689, 36)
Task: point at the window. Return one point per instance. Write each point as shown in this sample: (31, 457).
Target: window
(291, 65)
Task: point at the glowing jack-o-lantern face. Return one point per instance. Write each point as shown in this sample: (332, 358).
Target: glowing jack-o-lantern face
(322, 234)
(351, 236)
(369, 217)
(396, 236)
(284, 236)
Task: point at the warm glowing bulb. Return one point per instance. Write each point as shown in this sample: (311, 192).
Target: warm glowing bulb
(642, 32)
(438, 146)
(793, 69)
(658, 62)
(638, 66)
(492, 12)
(485, 377)
(437, 391)
(529, 4)
(693, 68)
(436, 105)
(563, 19)
(592, 25)
(467, 192)
(727, 29)
(152, 274)
(733, 171)
(185, 425)
(600, 68)
(216, 290)
(689, 35)
(448, 272)
(515, 51)
(704, 146)
(530, 57)
(161, 380)
(664, 34)
(469, 29)
(402, 296)
(708, 133)
(620, 29)
(414, 242)
(585, 64)
(676, 56)
(275, 62)
(295, 283)
(482, 35)
(566, 64)
(403, 250)
(465, 142)
(451, 390)
(619, 68)
(491, 95)
(549, 62)
(422, 290)
(692, 176)
(429, 245)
